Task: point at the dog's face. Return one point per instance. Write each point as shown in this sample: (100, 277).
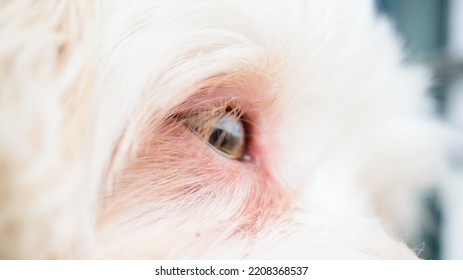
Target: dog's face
(213, 129)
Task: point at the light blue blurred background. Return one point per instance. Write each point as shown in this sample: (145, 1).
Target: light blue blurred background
(433, 33)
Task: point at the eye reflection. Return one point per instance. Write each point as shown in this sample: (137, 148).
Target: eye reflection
(228, 136)
(223, 131)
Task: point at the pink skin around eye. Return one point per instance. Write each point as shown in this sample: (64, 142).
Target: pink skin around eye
(176, 163)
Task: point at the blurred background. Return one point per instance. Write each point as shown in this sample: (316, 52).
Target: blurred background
(433, 33)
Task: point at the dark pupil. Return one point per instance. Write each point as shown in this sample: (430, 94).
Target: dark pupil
(223, 141)
(228, 136)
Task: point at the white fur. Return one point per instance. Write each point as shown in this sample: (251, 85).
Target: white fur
(85, 86)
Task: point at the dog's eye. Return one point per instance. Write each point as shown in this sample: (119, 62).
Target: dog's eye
(223, 131)
(227, 136)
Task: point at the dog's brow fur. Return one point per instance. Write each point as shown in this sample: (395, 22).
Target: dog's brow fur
(100, 101)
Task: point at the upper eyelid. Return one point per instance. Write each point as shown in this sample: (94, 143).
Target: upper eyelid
(188, 110)
(202, 122)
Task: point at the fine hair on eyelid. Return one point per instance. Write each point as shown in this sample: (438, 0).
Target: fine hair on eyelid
(204, 118)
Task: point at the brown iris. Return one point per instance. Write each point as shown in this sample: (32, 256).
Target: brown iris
(227, 136)
(223, 131)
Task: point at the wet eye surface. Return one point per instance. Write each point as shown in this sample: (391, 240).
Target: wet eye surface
(223, 130)
(228, 136)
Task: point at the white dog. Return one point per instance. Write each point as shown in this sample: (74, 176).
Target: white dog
(209, 129)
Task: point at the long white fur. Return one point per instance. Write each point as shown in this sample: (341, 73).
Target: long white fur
(84, 85)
